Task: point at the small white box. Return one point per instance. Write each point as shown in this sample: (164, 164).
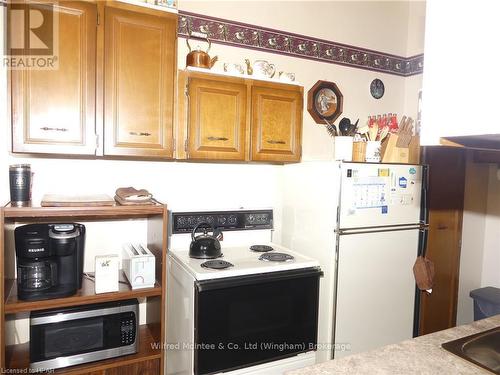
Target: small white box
(106, 273)
(139, 266)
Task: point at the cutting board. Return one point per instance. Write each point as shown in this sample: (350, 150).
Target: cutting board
(90, 200)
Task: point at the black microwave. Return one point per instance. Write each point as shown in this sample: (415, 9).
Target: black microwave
(75, 335)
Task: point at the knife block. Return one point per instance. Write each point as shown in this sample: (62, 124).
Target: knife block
(393, 154)
(414, 152)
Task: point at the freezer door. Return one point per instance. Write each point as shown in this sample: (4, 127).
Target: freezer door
(379, 195)
(375, 290)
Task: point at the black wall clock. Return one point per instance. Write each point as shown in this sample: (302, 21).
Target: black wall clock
(377, 88)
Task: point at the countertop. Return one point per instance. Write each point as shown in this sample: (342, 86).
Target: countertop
(422, 355)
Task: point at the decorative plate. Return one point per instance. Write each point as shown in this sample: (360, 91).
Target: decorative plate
(324, 102)
(377, 88)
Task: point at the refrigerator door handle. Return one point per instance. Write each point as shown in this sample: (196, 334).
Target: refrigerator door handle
(381, 229)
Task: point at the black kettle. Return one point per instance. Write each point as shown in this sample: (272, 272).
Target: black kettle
(204, 246)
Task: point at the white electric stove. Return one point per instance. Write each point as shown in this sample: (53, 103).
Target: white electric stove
(241, 260)
(253, 317)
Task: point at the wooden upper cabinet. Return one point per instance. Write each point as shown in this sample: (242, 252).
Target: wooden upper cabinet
(217, 118)
(140, 74)
(231, 118)
(53, 111)
(276, 123)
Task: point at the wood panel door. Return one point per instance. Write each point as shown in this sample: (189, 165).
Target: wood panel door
(217, 119)
(149, 367)
(139, 70)
(276, 124)
(53, 111)
(438, 310)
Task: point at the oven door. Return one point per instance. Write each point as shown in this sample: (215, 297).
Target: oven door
(247, 320)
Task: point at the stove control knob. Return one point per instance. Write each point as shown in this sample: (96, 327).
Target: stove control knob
(251, 218)
(222, 220)
(181, 221)
(232, 219)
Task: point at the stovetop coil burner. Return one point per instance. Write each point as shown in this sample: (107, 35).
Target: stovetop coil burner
(261, 248)
(217, 264)
(276, 257)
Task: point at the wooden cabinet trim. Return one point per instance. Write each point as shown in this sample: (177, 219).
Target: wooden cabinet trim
(445, 204)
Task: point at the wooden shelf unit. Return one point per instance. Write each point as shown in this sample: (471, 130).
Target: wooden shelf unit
(19, 355)
(103, 212)
(16, 357)
(84, 296)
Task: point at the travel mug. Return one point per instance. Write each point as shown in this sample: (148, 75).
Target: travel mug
(20, 184)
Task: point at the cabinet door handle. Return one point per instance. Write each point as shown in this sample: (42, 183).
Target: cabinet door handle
(273, 142)
(46, 128)
(141, 134)
(217, 138)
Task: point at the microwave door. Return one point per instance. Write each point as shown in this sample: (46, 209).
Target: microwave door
(75, 335)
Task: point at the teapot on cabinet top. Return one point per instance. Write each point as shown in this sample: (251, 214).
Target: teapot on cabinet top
(199, 58)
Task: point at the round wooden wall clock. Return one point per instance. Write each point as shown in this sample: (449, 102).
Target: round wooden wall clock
(324, 102)
(377, 88)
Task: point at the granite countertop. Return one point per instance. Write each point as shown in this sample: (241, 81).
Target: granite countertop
(422, 355)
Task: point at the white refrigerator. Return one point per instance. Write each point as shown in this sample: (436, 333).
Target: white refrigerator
(366, 224)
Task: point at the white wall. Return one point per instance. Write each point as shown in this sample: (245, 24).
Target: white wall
(378, 25)
(473, 237)
(460, 98)
(373, 24)
(234, 185)
(459, 79)
(480, 255)
(416, 28)
(490, 275)
(414, 46)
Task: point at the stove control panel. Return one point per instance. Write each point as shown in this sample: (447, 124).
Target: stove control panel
(184, 222)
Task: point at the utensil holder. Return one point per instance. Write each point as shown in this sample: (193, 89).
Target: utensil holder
(359, 151)
(343, 148)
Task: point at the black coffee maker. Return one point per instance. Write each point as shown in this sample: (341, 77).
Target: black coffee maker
(49, 260)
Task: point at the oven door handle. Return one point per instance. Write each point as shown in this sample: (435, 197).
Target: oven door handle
(230, 282)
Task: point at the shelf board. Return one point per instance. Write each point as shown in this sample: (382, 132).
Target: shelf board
(84, 296)
(17, 356)
(82, 212)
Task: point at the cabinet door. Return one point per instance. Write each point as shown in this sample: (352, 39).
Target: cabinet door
(150, 367)
(276, 124)
(139, 70)
(53, 111)
(447, 167)
(217, 119)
